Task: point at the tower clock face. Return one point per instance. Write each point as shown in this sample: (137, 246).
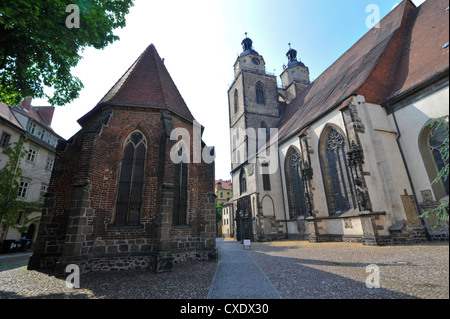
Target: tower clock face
(256, 61)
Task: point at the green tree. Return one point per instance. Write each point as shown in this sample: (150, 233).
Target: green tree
(38, 49)
(219, 207)
(10, 206)
(441, 211)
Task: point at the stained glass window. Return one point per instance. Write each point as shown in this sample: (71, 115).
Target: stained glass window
(436, 143)
(131, 181)
(180, 194)
(295, 186)
(340, 192)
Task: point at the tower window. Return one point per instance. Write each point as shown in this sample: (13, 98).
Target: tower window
(236, 101)
(260, 96)
(243, 182)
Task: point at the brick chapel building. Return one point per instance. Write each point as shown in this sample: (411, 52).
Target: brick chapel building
(116, 200)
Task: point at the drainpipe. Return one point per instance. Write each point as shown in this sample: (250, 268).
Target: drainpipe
(283, 192)
(399, 135)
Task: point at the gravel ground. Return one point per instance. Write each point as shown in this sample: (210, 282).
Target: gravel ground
(190, 280)
(300, 270)
(297, 270)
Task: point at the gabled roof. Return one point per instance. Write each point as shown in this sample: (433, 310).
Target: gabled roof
(147, 83)
(6, 114)
(386, 61)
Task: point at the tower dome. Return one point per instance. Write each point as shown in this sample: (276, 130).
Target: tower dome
(292, 57)
(247, 46)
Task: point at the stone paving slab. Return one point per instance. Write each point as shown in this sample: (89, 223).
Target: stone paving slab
(301, 270)
(238, 276)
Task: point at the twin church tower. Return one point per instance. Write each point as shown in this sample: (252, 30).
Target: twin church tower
(255, 100)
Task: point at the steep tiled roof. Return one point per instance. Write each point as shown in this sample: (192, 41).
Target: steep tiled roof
(386, 61)
(6, 114)
(147, 83)
(227, 185)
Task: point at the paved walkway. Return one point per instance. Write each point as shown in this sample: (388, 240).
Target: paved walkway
(238, 276)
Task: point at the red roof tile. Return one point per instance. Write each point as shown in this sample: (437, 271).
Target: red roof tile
(148, 84)
(405, 50)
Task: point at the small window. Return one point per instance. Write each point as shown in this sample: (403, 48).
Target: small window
(23, 189)
(50, 162)
(32, 128)
(4, 140)
(44, 188)
(31, 156)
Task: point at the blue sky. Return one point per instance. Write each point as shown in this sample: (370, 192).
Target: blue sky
(200, 40)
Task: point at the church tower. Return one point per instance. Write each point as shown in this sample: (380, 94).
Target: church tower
(295, 76)
(253, 101)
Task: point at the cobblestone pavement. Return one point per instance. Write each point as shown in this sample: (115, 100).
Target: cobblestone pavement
(297, 270)
(300, 270)
(190, 280)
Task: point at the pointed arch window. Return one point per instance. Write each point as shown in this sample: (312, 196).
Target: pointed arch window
(436, 143)
(337, 176)
(131, 182)
(242, 181)
(294, 184)
(236, 101)
(180, 195)
(432, 142)
(260, 96)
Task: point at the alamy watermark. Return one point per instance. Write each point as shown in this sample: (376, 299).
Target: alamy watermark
(373, 19)
(255, 144)
(73, 280)
(373, 279)
(73, 19)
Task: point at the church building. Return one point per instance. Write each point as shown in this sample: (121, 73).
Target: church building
(355, 155)
(117, 199)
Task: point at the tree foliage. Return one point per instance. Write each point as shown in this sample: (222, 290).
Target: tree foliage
(38, 50)
(10, 175)
(219, 207)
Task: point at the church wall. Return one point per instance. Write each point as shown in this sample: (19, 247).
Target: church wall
(385, 175)
(85, 185)
(411, 118)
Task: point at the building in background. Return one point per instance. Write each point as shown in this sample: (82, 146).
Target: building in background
(33, 125)
(356, 155)
(223, 190)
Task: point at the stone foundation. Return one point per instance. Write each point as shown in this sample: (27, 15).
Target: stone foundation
(156, 262)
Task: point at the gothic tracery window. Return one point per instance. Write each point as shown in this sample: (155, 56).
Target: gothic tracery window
(436, 140)
(337, 176)
(180, 194)
(131, 182)
(294, 184)
(260, 97)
